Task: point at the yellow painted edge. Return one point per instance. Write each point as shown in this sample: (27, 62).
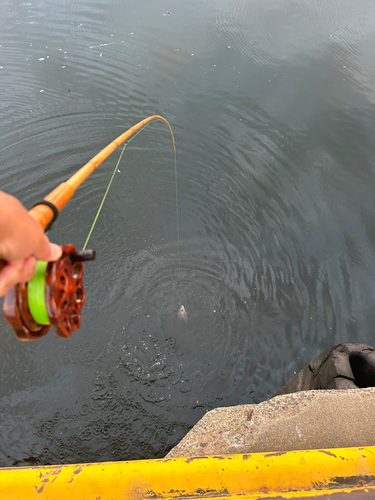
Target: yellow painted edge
(297, 495)
(258, 475)
(318, 494)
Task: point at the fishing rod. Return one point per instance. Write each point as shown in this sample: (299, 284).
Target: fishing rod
(55, 295)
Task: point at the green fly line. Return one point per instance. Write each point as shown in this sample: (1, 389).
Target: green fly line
(109, 186)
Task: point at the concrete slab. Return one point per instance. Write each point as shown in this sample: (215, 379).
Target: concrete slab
(301, 421)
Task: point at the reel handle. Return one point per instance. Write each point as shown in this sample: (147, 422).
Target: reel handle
(81, 256)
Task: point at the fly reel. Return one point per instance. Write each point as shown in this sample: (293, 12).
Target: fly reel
(53, 297)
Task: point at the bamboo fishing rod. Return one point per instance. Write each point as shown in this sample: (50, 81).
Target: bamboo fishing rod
(55, 295)
(60, 196)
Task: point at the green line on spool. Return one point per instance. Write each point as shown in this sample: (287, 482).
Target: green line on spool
(36, 294)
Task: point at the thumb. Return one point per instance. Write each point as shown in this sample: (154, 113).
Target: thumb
(48, 251)
(55, 252)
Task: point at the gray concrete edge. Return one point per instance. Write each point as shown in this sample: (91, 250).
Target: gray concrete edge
(303, 420)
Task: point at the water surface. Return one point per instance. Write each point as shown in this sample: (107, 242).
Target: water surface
(272, 105)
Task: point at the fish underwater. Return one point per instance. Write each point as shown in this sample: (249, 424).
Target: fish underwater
(182, 314)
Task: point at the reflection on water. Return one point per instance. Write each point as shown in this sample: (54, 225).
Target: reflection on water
(272, 103)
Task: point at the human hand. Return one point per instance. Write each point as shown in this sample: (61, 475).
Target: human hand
(22, 242)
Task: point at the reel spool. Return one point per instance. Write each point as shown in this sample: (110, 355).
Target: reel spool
(53, 297)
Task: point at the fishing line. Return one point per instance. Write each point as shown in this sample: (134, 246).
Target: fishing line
(111, 180)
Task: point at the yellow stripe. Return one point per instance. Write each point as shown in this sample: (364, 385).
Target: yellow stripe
(260, 475)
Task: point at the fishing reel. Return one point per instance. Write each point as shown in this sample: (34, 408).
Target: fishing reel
(53, 297)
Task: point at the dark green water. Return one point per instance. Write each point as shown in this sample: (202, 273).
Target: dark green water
(273, 107)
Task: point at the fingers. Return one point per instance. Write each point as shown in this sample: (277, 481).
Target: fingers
(20, 271)
(16, 272)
